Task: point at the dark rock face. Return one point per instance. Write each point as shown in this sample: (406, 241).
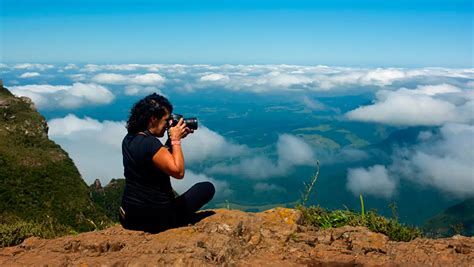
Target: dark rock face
(234, 238)
(97, 185)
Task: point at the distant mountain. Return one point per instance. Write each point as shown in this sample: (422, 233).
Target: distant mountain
(458, 219)
(38, 180)
(109, 197)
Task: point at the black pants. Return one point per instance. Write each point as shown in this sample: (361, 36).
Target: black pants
(180, 212)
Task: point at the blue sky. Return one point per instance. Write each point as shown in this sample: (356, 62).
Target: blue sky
(346, 33)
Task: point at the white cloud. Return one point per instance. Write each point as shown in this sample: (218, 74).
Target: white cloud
(214, 77)
(292, 151)
(382, 77)
(31, 66)
(148, 79)
(258, 167)
(91, 68)
(77, 77)
(373, 181)
(444, 161)
(141, 90)
(205, 144)
(65, 96)
(266, 78)
(127, 67)
(70, 67)
(110, 78)
(414, 107)
(432, 90)
(94, 146)
(137, 79)
(29, 75)
(72, 124)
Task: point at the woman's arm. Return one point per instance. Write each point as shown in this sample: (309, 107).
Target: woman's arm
(172, 163)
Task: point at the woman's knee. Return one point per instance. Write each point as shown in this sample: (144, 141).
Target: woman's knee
(208, 188)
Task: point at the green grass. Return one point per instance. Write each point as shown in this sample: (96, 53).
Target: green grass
(14, 233)
(323, 218)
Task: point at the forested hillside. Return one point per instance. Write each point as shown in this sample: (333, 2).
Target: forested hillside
(39, 183)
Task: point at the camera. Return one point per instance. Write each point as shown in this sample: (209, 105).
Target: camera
(191, 123)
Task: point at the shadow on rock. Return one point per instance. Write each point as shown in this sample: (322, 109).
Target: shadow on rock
(197, 217)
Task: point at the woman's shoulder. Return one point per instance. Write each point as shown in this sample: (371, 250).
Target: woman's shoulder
(140, 138)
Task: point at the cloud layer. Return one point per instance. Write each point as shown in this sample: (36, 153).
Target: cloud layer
(138, 79)
(252, 78)
(64, 96)
(291, 151)
(427, 105)
(94, 146)
(443, 160)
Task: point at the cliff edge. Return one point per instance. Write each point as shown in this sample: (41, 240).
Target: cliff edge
(275, 237)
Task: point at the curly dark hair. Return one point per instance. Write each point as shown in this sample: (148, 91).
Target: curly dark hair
(152, 105)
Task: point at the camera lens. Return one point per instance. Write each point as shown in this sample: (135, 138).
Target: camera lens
(191, 123)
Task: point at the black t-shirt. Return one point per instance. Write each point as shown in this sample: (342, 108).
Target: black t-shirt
(147, 186)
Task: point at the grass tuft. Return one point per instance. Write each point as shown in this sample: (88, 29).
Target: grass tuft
(323, 218)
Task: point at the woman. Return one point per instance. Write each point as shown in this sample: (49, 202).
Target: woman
(148, 202)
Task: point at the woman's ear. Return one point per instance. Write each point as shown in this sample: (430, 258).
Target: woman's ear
(153, 121)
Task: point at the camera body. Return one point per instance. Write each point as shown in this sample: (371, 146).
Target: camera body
(191, 123)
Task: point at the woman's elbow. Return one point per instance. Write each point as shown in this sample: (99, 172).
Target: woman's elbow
(178, 175)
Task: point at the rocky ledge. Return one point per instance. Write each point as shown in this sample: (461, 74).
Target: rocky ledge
(233, 238)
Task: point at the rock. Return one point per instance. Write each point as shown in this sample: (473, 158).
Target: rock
(235, 238)
(97, 185)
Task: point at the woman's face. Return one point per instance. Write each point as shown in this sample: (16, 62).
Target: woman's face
(158, 127)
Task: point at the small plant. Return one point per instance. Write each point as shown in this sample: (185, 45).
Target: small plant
(393, 207)
(457, 228)
(362, 207)
(309, 187)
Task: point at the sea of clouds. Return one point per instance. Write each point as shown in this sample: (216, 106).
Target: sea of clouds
(440, 98)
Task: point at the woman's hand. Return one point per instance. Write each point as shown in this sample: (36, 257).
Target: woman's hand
(188, 131)
(179, 131)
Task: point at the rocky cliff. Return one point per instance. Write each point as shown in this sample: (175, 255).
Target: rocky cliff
(38, 180)
(275, 237)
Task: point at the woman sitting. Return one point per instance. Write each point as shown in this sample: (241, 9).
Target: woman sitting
(148, 202)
